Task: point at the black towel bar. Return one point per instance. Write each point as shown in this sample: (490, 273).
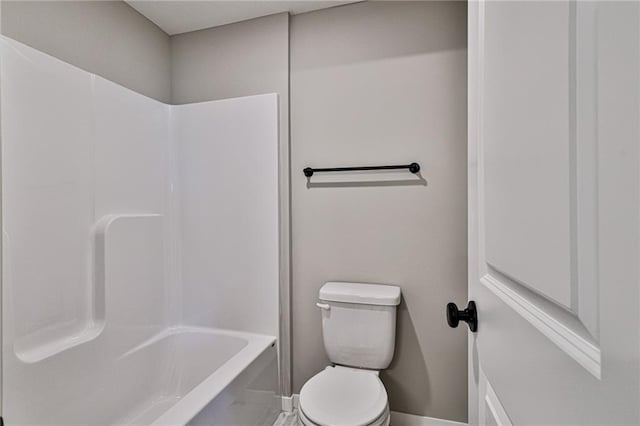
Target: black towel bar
(413, 168)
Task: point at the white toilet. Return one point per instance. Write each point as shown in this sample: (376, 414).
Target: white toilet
(359, 330)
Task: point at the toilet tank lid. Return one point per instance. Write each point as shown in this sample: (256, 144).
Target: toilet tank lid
(363, 293)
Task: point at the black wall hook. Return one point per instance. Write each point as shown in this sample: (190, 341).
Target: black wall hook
(469, 315)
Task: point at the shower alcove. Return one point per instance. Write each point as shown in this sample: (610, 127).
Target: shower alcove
(140, 251)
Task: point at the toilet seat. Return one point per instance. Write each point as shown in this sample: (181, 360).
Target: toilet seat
(342, 396)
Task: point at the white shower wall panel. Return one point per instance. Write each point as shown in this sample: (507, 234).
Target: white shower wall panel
(85, 183)
(227, 167)
(132, 177)
(132, 151)
(48, 205)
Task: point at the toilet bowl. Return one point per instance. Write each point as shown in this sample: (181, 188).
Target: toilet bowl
(343, 396)
(358, 328)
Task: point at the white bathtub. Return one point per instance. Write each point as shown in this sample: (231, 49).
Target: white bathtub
(181, 375)
(213, 377)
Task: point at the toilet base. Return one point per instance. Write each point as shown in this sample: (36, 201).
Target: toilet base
(383, 420)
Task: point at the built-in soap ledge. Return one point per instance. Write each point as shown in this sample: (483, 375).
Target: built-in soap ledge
(113, 235)
(52, 340)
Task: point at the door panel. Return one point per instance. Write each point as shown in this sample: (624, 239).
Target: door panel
(527, 145)
(554, 208)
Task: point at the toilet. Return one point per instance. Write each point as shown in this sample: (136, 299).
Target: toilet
(359, 330)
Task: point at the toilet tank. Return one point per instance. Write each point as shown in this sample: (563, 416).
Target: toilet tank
(359, 323)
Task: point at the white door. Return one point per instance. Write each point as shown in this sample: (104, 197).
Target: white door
(554, 201)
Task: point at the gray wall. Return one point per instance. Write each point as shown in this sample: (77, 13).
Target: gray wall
(245, 58)
(379, 83)
(108, 38)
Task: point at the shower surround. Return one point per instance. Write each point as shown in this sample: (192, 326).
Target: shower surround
(139, 252)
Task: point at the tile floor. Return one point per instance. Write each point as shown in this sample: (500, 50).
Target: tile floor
(287, 419)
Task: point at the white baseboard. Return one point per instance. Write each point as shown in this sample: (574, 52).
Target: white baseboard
(291, 403)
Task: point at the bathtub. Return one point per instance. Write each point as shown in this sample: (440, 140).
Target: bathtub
(178, 376)
(212, 377)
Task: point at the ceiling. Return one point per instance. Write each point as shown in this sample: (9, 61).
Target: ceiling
(180, 16)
